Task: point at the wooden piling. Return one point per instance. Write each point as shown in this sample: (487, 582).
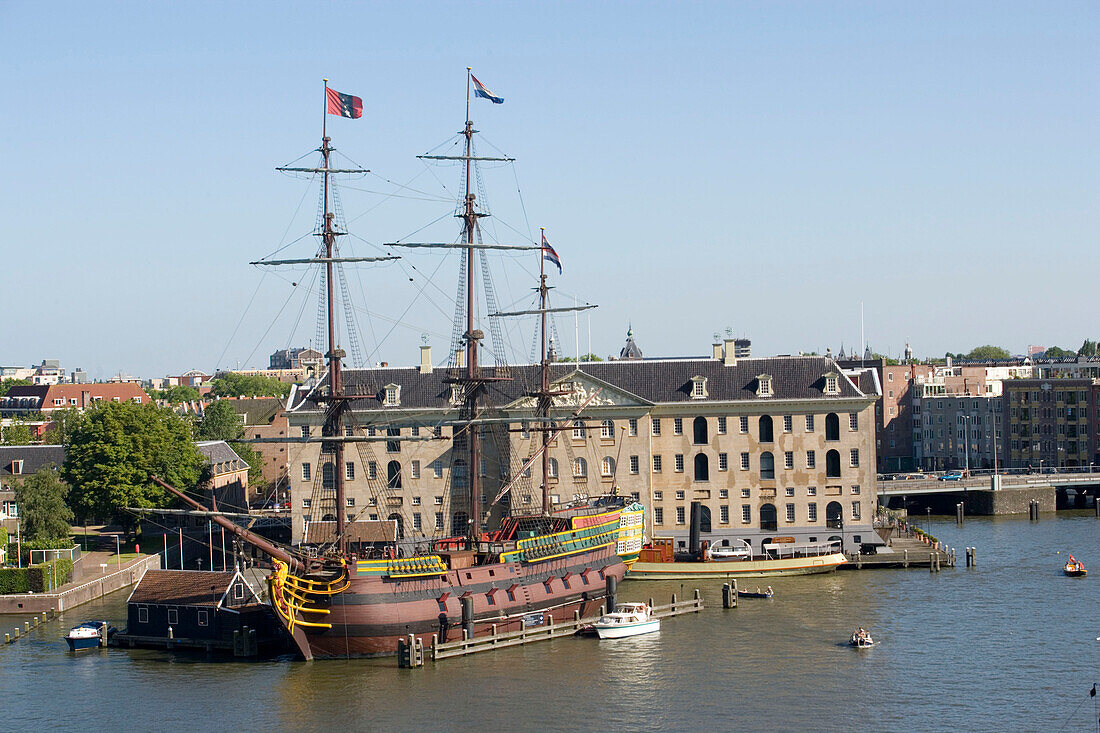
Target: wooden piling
(905, 555)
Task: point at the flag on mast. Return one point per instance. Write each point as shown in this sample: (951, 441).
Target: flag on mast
(549, 254)
(344, 105)
(481, 91)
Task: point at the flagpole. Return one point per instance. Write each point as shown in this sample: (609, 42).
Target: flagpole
(324, 114)
(469, 73)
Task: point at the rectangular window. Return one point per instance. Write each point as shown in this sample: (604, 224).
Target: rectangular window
(679, 462)
(811, 491)
(744, 425)
(723, 462)
(416, 501)
(307, 503)
(788, 423)
(372, 470)
(306, 474)
(789, 491)
(809, 423)
(811, 459)
(373, 517)
(855, 510)
(656, 423)
(855, 458)
(679, 515)
(679, 495)
(579, 430)
(305, 431)
(746, 513)
(656, 464)
(633, 423)
(721, 426)
(349, 500)
(349, 471)
(417, 521)
(724, 516)
(658, 495)
(723, 493)
(658, 515)
(437, 469)
(607, 429)
(744, 461)
(143, 615)
(853, 421)
(439, 521)
(746, 493)
(414, 469)
(812, 511)
(855, 489)
(173, 616)
(790, 512)
(788, 460)
(678, 426)
(634, 464)
(204, 618)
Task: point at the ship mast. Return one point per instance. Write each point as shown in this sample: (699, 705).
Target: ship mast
(544, 398)
(473, 388)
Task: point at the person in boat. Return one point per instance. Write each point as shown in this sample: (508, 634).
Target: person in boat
(861, 634)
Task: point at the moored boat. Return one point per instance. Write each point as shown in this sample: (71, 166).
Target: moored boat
(659, 561)
(766, 593)
(1074, 568)
(89, 634)
(628, 619)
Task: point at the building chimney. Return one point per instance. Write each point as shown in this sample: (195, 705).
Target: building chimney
(730, 353)
(717, 350)
(425, 359)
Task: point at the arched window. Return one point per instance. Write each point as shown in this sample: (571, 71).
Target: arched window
(766, 435)
(460, 522)
(607, 466)
(459, 475)
(832, 427)
(579, 431)
(393, 475)
(702, 467)
(767, 465)
(769, 519)
(328, 476)
(699, 431)
(552, 468)
(328, 518)
(607, 429)
(834, 515)
(704, 518)
(832, 464)
(580, 468)
(400, 525)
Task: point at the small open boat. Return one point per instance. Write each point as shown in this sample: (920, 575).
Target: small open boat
(766, 593)
(628, 619)
(89, 634)
(861, 639)
(1074, 568)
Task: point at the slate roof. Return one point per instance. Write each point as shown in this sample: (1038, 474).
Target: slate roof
(223, 458)
(654, 380)
(182, 587)
(257, 411)
(34, 457)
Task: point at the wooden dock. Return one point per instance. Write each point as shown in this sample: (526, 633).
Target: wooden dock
(907, 553)
(411, 651)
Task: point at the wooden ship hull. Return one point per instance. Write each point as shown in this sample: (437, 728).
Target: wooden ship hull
(736, 568)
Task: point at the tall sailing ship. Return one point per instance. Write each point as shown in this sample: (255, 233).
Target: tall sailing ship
(338, 601)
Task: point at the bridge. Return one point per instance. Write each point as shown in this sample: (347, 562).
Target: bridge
(1080, 478)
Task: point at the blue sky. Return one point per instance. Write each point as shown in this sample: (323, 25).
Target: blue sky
(758, 166)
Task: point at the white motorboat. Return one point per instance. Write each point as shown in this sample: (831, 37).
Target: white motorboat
(628, 619)
(861, 639)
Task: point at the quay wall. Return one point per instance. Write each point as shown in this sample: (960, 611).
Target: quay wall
(72, 597)
(986, 502)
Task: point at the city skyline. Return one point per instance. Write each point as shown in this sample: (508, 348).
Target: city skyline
(762, 168)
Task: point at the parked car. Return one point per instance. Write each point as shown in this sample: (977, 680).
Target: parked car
(951, 477)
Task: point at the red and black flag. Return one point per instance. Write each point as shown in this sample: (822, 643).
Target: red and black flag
(344, 105)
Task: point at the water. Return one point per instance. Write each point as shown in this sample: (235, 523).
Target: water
(1009, 645)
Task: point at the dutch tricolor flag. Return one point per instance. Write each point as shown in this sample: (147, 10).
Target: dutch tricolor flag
(549, 254)
(481, 91)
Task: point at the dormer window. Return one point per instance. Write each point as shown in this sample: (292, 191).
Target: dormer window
(391, 396)
(17, 467)
(764, 385)
(832, 383)
(698, 388)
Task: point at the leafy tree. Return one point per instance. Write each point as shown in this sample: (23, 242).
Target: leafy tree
(986, 353)
(584, 357)
(113, 450)
(1087, 349)
(64, 422)
(221, 422)
(42, 508)
(1055, 352)
(889, 361)
(16, 434)
(7, 384)
(243, 385)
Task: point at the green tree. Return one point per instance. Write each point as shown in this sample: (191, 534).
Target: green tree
(7, 384)
(1055, 352)
(584, 357)
(889, 361)
(16, 434)
(42, 508)
(64, 422)
(1088, 348)
(221, 422)
(114, 449)
(243, 385)
(986, 353)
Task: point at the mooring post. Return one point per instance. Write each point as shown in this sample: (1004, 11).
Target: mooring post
(727, 599)
(905, 555)
(7, 638)
(974, 557)
(959, 513)
(26, 627)
(612, 592)
(467, 616)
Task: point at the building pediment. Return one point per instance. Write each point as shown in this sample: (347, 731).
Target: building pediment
(583, 389)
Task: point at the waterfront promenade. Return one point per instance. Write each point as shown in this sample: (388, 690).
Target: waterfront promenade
(98, 574)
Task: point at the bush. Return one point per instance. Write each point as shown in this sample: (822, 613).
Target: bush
(37, 578)
(14, 580)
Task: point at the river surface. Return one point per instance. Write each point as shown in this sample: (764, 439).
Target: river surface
(1009, 645)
